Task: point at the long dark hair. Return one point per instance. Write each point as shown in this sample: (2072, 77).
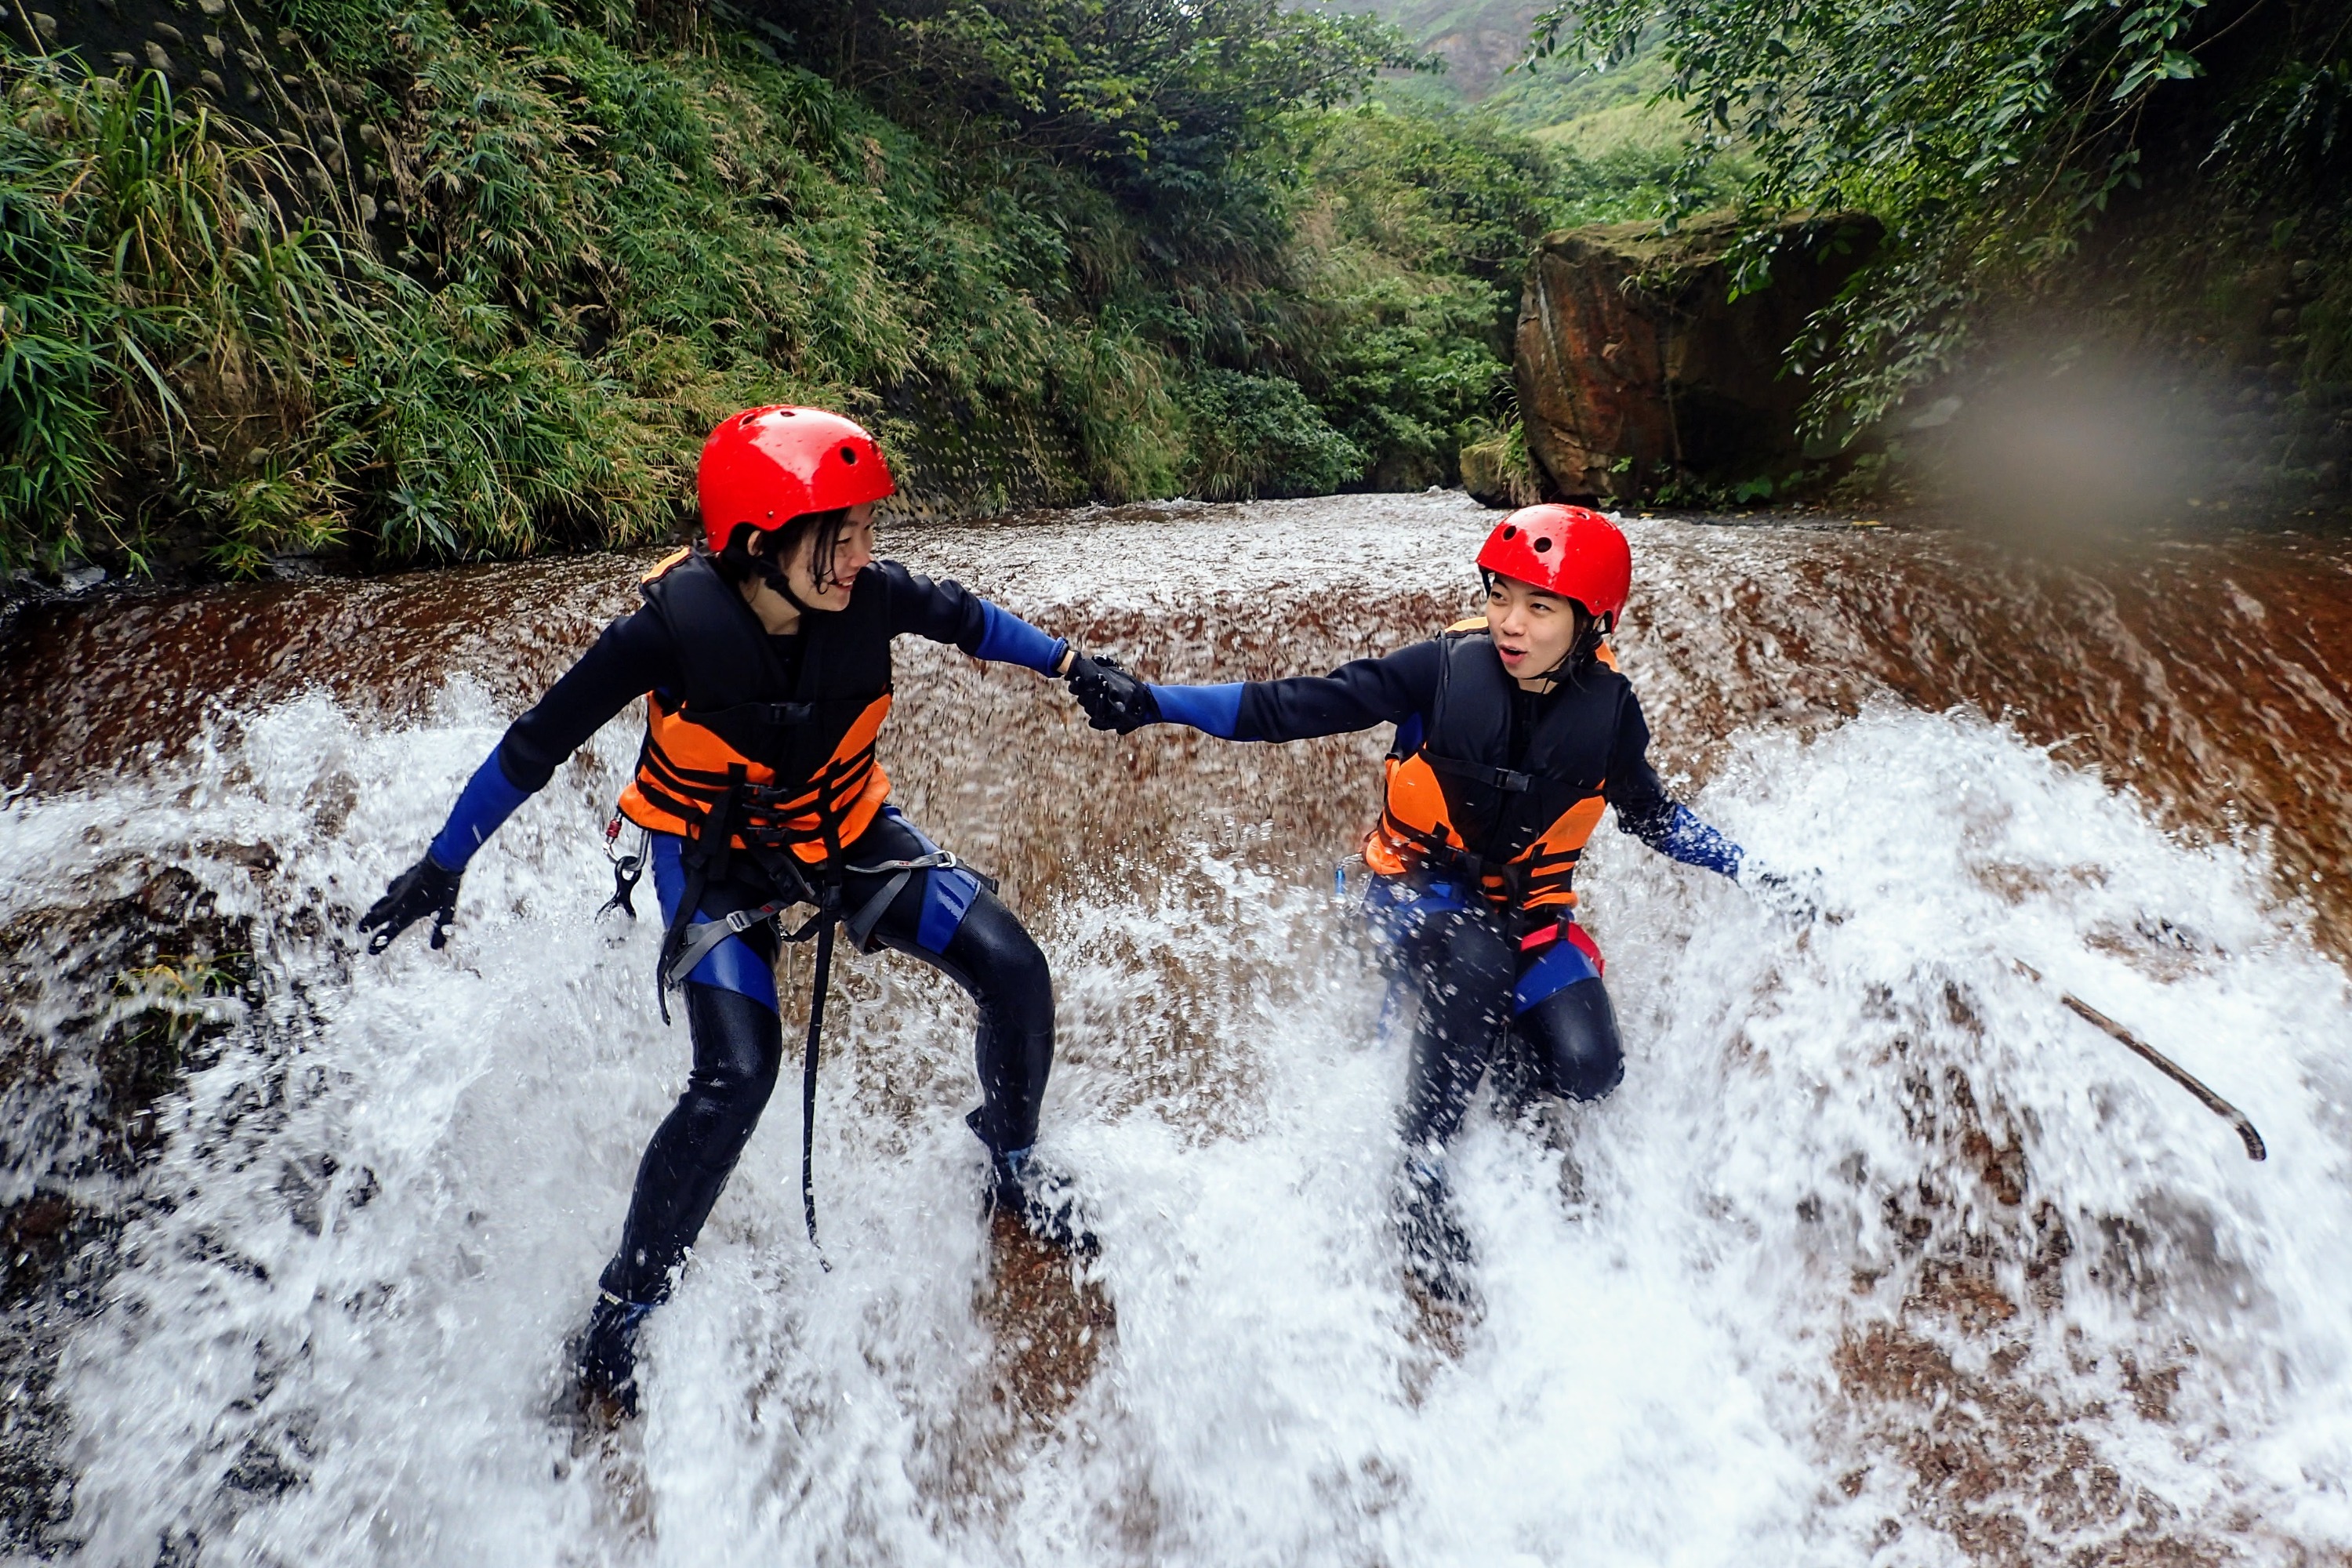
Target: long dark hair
(740, 562)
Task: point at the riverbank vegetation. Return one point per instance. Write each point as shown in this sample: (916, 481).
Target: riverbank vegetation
(469, 280)
(2163, 183)
(388, 281)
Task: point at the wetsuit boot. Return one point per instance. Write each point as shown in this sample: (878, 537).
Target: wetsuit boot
(607, 1355)
(1041, 1198)
(1437, 1252)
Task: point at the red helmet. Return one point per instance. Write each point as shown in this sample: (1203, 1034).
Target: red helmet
(767, 466)
(1565, 550)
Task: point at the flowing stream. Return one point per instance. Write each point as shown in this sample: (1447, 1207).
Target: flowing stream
(1879, 1256)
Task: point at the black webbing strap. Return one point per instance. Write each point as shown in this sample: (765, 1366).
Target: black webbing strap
(808, 1082)
(1504, 779)
(694, 942)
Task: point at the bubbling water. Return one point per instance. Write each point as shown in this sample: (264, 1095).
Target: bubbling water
(1879, 1255)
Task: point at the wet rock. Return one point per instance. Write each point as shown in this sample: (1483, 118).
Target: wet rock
(1633, 362)
(104, 1008)
(1499, 472)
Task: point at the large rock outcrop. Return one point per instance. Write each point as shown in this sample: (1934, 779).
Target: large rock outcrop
(1635, 366)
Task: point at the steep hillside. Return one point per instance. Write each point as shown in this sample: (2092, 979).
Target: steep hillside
(366, 282)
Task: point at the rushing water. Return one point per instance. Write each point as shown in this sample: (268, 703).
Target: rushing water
(1879, 1255)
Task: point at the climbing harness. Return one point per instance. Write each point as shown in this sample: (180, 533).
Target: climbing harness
(689, 940)
(701, 936)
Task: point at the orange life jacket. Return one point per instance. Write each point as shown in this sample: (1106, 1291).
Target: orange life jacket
(1455, 807)
(786, 760)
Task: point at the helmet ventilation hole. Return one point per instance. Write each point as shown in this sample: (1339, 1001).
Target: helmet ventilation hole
(1510, 532)
(849, 455)
(1543, 544)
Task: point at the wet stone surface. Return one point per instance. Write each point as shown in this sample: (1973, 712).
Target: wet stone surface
(1876, 1250)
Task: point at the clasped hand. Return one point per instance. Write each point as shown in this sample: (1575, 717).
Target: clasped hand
(1792, 898)
(1113, 699)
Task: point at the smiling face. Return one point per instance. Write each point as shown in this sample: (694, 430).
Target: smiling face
(853, 552)
(1533, 630)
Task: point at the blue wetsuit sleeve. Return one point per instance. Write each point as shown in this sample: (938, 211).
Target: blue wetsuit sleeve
(1679, 835)
(1648, 813)
(488, 798)
(1006, 638)
(1212, 709)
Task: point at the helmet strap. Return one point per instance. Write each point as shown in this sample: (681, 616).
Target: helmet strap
(1588, 642)
(776, 578)
(772, 571)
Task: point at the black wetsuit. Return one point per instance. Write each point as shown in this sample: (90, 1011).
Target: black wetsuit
(944, 917)
(1497, 987)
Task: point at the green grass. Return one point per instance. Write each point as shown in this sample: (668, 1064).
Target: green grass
(600, 249)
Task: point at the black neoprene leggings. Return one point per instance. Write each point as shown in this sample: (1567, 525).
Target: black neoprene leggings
(738, 1047)
(1464, 968)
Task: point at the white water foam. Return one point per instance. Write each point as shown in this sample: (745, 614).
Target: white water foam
(355, 1365)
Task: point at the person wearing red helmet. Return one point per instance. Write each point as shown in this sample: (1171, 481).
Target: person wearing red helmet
(764, 656)
(1514, 732)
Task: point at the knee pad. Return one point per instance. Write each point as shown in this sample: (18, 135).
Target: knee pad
(1572, 1034)
(738, 1047)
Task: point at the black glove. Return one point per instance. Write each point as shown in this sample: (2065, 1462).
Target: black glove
(1792, 898)
(1113, 699)
(427, 887)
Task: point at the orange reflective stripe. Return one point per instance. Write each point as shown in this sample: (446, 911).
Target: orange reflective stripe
(692, 754)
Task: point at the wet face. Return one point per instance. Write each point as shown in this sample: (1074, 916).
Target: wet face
(1532, 629)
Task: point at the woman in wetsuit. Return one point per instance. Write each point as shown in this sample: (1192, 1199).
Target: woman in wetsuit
(1513, 732)
(764, 659)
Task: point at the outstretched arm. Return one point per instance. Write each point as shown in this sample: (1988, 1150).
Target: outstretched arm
(1647, 812)
(947, 612)
(1673, 829)
(1356, 696)
(632, 657)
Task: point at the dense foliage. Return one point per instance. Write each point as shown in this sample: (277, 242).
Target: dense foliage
(486, 294)
(1992, 139)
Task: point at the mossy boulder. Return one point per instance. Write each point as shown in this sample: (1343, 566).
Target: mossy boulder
(1635, 361)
